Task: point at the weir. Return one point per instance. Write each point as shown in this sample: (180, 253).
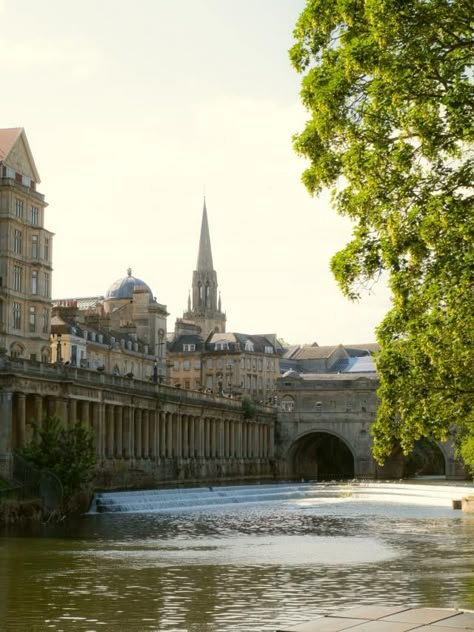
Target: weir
(310, 493)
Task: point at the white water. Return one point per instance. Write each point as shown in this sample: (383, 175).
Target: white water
(307, 494)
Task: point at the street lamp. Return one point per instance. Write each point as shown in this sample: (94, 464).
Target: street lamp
(155, 371)
(59, 355)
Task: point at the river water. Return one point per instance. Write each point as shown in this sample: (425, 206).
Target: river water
(240, 567)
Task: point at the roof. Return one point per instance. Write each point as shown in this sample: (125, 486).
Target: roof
(126, 286)
(314, 352)
(362, 349)
(82, 304)
(9, 139)
(177, 345)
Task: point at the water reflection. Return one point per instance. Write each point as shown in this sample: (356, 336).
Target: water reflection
(245, 569)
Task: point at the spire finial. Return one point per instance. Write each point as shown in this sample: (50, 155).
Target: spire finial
(129, 272)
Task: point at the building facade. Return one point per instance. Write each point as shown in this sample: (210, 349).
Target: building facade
(123, 333)
(25, 252)
(228, 363)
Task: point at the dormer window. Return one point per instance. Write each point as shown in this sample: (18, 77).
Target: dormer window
(249, 345)
(189, 347)
(268, 349)
(221, 346)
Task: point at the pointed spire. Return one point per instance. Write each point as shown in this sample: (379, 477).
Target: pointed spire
(189, 301)
(204, 261)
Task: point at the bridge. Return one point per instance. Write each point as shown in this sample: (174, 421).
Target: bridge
(323, 430)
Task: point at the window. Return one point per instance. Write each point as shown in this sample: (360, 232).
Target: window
(34, 215)
(45, 320)
(35, 246)
(248, 345)
(219, 363)
(197, 364)
(34, 282)
(176, 365)
(16, 316)
(186, 365)
(268, 349)
(221, 346)
(17, 243)
(209, 363)
(17, 278)
(189, 347)
(19, 208)
(46, 284)
(46, 248)
(287, 404)
(32, 319)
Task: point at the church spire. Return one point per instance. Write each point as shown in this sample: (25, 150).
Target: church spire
(204, 262)
(205, 308)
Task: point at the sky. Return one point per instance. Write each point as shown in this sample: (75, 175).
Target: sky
(134, 112)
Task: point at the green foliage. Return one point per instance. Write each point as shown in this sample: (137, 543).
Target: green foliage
(465, 448)
(68, 452)
(249, 408)
(389, 89)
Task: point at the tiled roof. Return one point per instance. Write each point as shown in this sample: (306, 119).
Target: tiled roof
(8, 138)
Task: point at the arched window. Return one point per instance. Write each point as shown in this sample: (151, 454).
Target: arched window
(16, 350)
(287, 404)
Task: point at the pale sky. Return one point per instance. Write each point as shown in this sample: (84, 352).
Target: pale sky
(133, 110)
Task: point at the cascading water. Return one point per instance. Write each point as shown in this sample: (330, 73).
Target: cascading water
(171, 500)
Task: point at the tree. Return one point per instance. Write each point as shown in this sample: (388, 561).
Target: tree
(388, 85)
(68, 452)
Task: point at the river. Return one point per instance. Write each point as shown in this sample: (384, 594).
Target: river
(237, 567)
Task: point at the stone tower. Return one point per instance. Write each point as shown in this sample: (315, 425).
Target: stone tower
(25, 252)
(204, 304)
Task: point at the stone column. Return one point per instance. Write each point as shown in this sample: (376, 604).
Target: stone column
(127, 431)
(153, 427)
(192, 437)
(6, 431)
(109, 431)
(145, 434)
(20, 418)
(38, 410)
(169, 435)
(162, 434)
(185, 438)
(138, 433)
(72, 411)
(118, 422)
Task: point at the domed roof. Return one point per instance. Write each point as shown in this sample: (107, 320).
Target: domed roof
(124, 288)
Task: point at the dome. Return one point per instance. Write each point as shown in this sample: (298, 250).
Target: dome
(124, 288)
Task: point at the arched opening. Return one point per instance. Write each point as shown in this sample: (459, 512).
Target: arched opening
(16, 350)
(426, 459)
(321, 456)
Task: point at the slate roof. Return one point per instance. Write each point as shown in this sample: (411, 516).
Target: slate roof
(314, 352)
(177, 345)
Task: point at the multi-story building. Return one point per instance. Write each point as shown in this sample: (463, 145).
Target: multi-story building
(123, 333)
(25, 252)
(232, 364)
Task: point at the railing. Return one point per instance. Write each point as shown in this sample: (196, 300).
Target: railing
(64, 373)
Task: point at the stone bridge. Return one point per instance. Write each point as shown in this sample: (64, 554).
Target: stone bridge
(323, 429)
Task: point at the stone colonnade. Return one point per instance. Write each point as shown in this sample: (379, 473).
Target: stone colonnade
(144, 429)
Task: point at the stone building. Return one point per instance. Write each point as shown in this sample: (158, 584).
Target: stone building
(25, 252)
(204, 304)
(123, 333)
(231, 363)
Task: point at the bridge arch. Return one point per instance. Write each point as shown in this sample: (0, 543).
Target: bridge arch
(428, 458)
(320, 455)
